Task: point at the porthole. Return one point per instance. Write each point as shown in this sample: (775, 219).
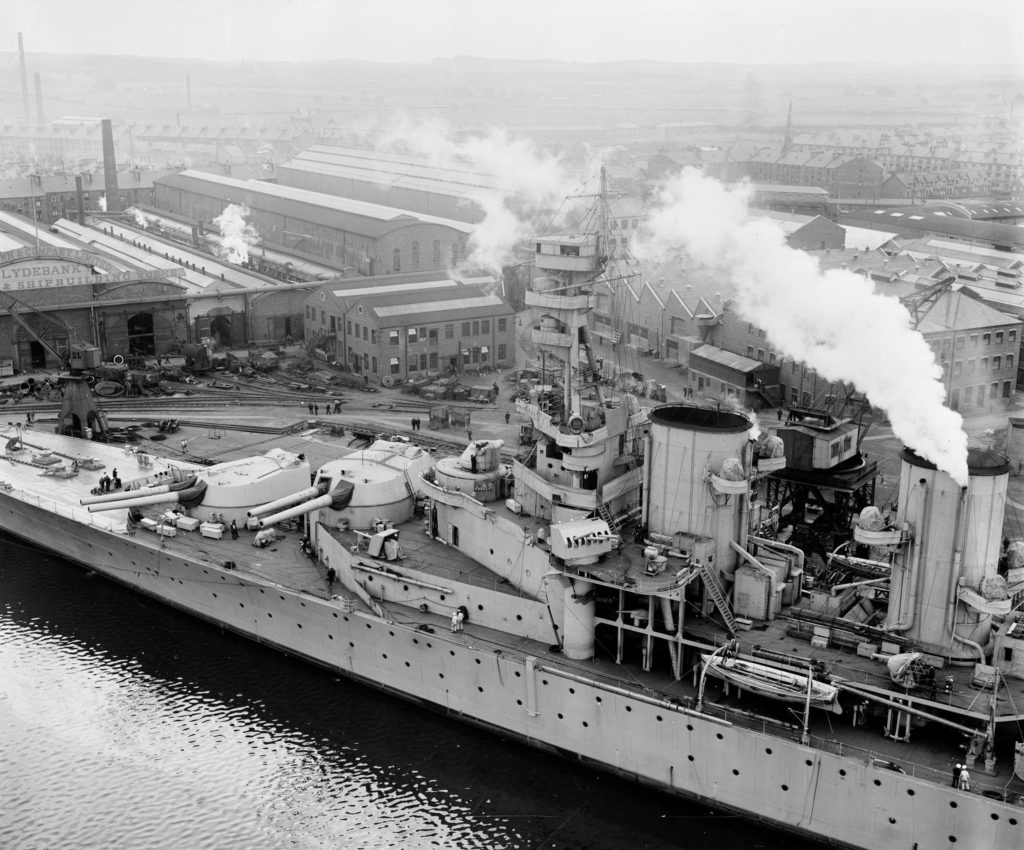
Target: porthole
(842, 771)
(442, 597)
(560, 716)
(407, 664)
(477, 660)
(878, 783)
(952, 804)
(303, 604)
(215, 596)
(543, 681)
(416, 641)
(689, 727)
(585, 724)
(629, 708)
(808, 762)
(995, 816)
(299, 625)
(952, 839)
(405, 587)
(384, 655)
(352, 645)
(451, 652)
(391, 633)
(720, 736)
(689, 758)
(1013, 821)
(440, 675)
(785, 787)
(330, 637)
(345, 619)
(598, 699)
(910, 792)
(333, 613)
(519, 702)
(892, 820)
(658, 717)
(518, 674)
(270, 615)
(572, 690)
(241, 604)
(735, 772)
(369, 626)
(768, 750)
(519, 617)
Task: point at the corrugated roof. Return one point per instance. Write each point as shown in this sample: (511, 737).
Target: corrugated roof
(361, 217)
(727, 358)
(955, 311)
(449, 305)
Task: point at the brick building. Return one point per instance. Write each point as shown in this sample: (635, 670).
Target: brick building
(373, 239)
(412, 325)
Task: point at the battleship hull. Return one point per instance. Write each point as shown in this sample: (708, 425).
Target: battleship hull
(841, 799)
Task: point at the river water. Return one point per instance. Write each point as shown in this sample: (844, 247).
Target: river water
(125, 724)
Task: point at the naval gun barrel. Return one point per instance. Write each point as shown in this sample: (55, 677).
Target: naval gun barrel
(179, 493)
(285, 501)
(298, 510)
(126, 494)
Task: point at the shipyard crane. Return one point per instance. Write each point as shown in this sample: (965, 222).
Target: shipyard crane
(49, 323)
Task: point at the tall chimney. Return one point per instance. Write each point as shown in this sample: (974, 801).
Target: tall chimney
(80, 197)
(24, 79)
(40, 120)
(110, 168)
(188, 92)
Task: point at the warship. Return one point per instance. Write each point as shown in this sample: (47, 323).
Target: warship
(626, 592)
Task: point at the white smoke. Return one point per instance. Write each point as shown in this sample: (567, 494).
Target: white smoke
(102, 202)
(833, 320)
(527, 183)
(141, 219)
(237, 235)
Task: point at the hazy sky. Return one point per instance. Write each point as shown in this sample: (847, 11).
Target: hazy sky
(957, 32)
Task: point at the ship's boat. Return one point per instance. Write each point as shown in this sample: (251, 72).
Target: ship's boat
(772, 682)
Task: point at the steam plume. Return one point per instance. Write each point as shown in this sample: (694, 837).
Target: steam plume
(833, 320)
(237, 235)
(526, 183)
(102, 202)
(141, 219)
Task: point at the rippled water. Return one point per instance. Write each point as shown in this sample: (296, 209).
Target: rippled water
(125, 724)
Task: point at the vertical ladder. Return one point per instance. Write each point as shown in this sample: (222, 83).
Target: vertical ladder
(716, 592)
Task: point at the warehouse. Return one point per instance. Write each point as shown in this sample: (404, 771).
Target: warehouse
(371, 238)
(404, 326)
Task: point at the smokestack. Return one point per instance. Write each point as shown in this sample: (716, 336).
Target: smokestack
(110, 168)
(188, 92)
(40, 120)
(24, 79)
(80, 198)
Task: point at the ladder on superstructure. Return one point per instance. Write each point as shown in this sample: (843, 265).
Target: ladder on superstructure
(717, 593)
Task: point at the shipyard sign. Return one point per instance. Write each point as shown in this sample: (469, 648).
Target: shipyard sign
(27, 268)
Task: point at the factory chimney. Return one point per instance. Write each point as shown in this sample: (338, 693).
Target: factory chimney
(40, 120)
(24, 79)
(80, 198)
(110, 168)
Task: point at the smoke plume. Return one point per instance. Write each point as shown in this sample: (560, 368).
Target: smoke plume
(833, 320)
(237, 235)
(526, 184)
(102, 202)
(141, 219)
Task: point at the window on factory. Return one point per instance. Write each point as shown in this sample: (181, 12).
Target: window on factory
(415, 255)
(395, 365)
(432, 336)
(636, 223)
(760, 354)
(750, 328)
(501, 351)
(357, 330)
(1006, 389)
(502, 325)
(465, 328)
(970, 366)
(449, 331)
(997, 363)
(750, 352)
(432, 360)
(373, 336)
(994, 390)
(986, 339)
(794, 395)
(974, 340)
(959, 342)
(412, 363)
(411, 333)
(1011, 336)
(485, 326)
(348, 327)
(373, 365)
(437, 251)
(981, 393)
(957, 365)
(333, 324)
(476, 355)
(423, 362)
(396, 260)
(615, 224)
(323, 319)
(1009, 361)
(999, 337)
(945, 344)
(476, 328)
(422, 334)
(366, 362)
(365, 329)
(394, 337)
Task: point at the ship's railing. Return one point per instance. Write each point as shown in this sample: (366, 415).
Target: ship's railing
(79, 515)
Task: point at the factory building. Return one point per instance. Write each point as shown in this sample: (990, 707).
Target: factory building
(403, 181)
(373, 239)
(55, 196)
(395, 327)
(128, 293)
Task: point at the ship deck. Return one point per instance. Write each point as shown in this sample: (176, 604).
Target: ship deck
(930, 752)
